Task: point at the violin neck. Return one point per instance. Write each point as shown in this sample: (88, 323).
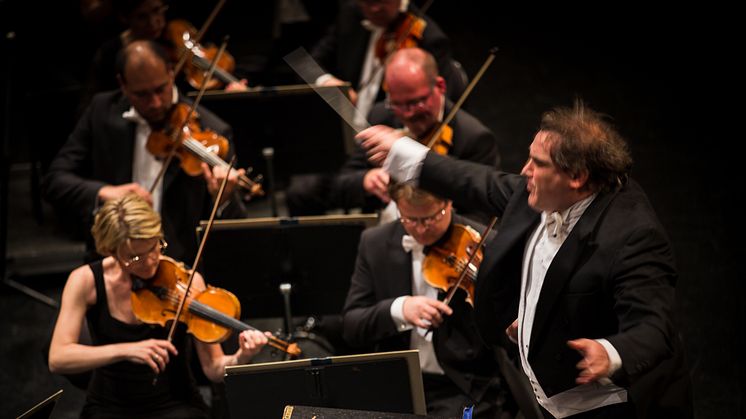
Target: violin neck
(212, 159)
(203, 153)
(219, 73)
(209, 313)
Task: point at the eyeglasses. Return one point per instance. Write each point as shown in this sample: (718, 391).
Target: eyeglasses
(160, 246)
(425, 221)
(417, 104)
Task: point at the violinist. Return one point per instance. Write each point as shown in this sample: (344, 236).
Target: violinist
(125, 354)
(416, 102)
(356, 46)
(105, 157)
(143, 20)
(391, 306)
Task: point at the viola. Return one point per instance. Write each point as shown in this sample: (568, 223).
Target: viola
(182, 35)
(445, 263)
(210, 315)
(405, 32)
(194, 146)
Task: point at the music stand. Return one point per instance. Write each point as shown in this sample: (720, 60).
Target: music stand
(385, 382)
(315, 254)
(43, 409)
(306, 134)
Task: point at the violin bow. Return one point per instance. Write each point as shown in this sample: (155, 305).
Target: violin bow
(199, 251)
(182, 301)
(198, 37)
(176, 133)
(452, 114)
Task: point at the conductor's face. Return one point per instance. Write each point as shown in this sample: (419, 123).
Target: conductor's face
(148, 84)
(550, 189)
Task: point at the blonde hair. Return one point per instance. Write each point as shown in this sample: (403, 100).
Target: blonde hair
(123, 219)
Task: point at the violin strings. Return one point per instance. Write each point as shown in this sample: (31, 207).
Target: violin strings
(213, 160)
(221, 318)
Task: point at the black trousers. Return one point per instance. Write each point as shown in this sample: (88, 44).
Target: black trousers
(444, 398)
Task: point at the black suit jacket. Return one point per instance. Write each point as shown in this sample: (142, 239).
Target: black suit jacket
(612, 278)
(383, 272)
(100, 151)
(471, 141)
(341, 51)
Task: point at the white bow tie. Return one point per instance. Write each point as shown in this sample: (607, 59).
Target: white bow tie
(555, 224)
(409, 243)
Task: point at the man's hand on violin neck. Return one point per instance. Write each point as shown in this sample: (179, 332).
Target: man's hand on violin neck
(214, 178)
(377, 140)
(109, 192)
(425, 312)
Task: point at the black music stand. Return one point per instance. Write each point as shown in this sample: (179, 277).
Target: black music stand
(384, 382)
(306, 134)
(315, 254)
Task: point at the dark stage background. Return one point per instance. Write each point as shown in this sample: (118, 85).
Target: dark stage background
(664, 79)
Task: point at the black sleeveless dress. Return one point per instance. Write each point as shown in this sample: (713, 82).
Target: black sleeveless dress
(125, 389)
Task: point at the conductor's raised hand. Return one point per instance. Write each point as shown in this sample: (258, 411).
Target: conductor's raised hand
(377, 141)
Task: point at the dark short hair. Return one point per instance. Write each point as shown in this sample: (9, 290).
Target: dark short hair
(414, 195)
(123, 55)
(583, 140)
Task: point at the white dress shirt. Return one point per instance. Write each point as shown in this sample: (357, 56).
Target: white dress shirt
(419, 339)
(145, 166)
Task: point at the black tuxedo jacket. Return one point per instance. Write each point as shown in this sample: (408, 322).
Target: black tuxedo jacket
(613, 278)
(341, 51)
(100, 151)
(383, 272)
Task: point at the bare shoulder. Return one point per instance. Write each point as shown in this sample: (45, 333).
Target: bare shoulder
(81, 285)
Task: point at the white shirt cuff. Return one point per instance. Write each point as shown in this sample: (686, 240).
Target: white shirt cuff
(404, 162)
(323, 79)
(615, 361)
(397, 314)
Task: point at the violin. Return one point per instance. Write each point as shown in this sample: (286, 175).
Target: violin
(405, 32)
(182, 35)
(444, 141)
(194, 146)
(210, 315)
(445, 263)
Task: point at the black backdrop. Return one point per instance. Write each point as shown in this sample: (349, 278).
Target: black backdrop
(668, 78)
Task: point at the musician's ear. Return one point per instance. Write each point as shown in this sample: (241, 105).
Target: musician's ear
(440, 85)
